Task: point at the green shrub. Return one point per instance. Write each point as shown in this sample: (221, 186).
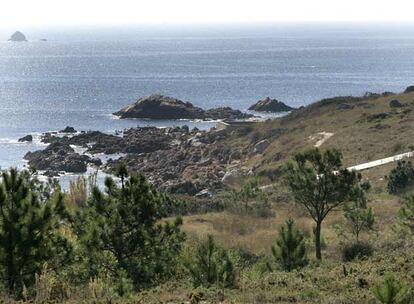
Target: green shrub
(357, 250)
(401, 177)
(121, 233)
(249, 200)
(406, 214)
(290, 250)
(211, 265)
(391, 291)
(31, 218)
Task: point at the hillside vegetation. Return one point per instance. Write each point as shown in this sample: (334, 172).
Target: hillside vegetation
(131, 243)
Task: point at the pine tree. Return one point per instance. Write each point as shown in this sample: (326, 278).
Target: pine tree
(121, 233)
(211, 265)
(319, 183)
(29, 230)
(290, 250)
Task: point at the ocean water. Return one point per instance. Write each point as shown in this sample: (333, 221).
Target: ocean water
(80, 76)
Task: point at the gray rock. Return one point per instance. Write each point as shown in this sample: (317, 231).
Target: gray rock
(396, 104)
(205, 193)
(18, 37)
(68, 130)
(261, 146)
(270, 105)
(233, 176)
(27, 138)
(409, 89)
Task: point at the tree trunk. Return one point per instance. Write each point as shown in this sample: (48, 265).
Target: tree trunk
(318, 249)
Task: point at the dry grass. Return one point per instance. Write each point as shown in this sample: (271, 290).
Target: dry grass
(359, 138)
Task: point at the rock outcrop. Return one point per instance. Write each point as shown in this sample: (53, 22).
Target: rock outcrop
(27, 138)
(163, 107)
(261, 146)
(409, 89)
(396, 104)
(176, 160)
(270, 105)
(68, 130)
(18, 37)
(60, 157)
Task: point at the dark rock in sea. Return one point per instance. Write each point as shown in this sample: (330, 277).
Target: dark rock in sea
(68, 130)
(43, 40)
(396, 104)
(225, 113)
(58, 157)
(270, 105)
(163, 107)
(18, 37)
(27, 138)
(160, 107)
(409, 89)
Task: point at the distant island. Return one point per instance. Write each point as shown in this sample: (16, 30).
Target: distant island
(18, 37)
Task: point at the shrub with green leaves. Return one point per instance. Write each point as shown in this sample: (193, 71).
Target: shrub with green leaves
(406, 214)
(359, 219)
(249, 200)
(211, 265)
(290, 250)
(31, 216)
(122, 235)
(401, 177)
(391, 291)
(356, 250)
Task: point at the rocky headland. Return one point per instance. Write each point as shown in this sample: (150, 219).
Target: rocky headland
(163, 107)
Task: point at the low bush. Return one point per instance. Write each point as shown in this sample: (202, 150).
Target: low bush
(210, 265)
(357, 250)
(401, 177)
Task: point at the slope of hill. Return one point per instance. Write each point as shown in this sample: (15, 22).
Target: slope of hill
(363, 128)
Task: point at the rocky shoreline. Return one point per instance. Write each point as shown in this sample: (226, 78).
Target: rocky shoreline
(175, 159)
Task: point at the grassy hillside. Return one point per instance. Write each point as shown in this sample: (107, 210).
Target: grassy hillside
(364, 129)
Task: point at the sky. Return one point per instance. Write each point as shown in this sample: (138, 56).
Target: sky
(118, 12)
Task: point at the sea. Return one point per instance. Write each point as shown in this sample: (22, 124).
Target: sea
(81, 75)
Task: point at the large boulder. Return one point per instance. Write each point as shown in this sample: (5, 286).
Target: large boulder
(18, 37)
(409, 89)
(270, 105)
(261, 146)
(161, 107)
(396, 104)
